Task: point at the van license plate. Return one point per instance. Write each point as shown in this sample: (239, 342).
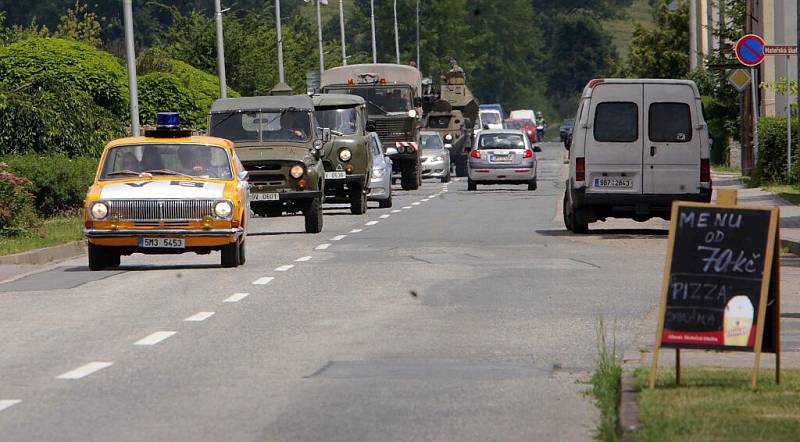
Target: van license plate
(614, 183)
(264, 196)
(162, 243)
(335, 175)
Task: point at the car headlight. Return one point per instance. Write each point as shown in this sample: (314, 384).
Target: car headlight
(223, 209)
(412, 113)
(378, 173)
(98, 210)
(436, 159)
(448, 137)
(296, 171)
(345, 154)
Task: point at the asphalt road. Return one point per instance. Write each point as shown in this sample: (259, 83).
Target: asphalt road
(454, 315)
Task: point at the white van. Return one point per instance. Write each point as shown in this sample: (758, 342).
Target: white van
(637, 146)
(523, 114)
(491, 119)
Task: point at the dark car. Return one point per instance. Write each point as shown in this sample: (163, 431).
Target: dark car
(565, 130)
(523, 124)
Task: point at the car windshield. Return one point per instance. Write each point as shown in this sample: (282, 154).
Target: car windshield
(431, 142)
(179, 159)
(501, 141)
(340, 120)
(286, 125)
(490, 118)
(517, 124)
(382, 99)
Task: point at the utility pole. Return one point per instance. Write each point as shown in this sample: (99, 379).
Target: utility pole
(372, 20)
(747, 105)
(127, 13)
(319, 38)
(281, 78)
(223, 93)
(692, 35)
(396, 36)
(797, 57)
(419, 66)
(341, 26)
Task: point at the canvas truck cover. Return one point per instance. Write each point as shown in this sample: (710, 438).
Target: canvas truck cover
(362, 74)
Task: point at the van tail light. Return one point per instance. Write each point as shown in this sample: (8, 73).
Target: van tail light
(580, 169)
(475, 154)
(528, 154)
(705, 171)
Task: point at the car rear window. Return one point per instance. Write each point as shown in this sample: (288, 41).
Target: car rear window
(670, 123)
(501, 141)
(616, 122)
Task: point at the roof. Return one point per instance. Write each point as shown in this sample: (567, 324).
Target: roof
(587, 91)
(300, 102)
(393, 73)
(185, 140)
(502, 131)
(337, 100)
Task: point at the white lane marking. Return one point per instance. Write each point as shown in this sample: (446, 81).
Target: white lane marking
(385, 216)
(416, 203)
(371, 223)
(356, 231)
(303, 259)
(154, 338)
(406, 207)
(198, 317)
(8, 403)
(338, 237)
(263, 280)
(284, 268)
(236, 297)
(85, 370)
(322, 246)
(396, 211)
(433, 196)
(425, 200)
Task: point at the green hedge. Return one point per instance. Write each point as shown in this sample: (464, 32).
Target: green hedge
(58, 182)
(771, 166)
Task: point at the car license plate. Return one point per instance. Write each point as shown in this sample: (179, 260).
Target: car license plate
(500, 158)
(618, 183)
(335, 175)
(264, 196)
(162, 243)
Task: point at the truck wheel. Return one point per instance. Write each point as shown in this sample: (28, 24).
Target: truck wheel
(410, 178)
(101, 258)
(313, 216)
(229, 255)
(471, 185)
(532, 185)
(358, 201)
(385, 204)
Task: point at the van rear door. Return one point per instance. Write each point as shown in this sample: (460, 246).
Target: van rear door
(614, 139)
(673, 149)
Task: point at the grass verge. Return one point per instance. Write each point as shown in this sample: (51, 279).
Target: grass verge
(722, 168)
(717, 404)
(54, 231)
(606, 383)
(789, 192)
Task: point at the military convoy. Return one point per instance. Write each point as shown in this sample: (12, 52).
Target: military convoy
(393, 94)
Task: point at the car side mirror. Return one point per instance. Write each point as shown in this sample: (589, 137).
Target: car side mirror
(244, 175)
(568, 142)
(537, 148)
(370, 126)
(391, 151)
(326, 136)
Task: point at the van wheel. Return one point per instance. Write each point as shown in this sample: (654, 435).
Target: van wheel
(313, 216)
(471, 185)
(532, 185)
(101, 258)
(571, 219)
(229, 256)
(358, 201)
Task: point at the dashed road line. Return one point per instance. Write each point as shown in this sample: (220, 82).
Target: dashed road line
(338, 237)
(199, 317)
(236, 297)
(406, 207)
(85, 370)
(322, 246)
(303, 259)
(263, 280)
(385, 216)
(284, 268)
(416, 203)
(371, 223)
(356, 231)
(155, 338)
(8, 403)
(425, 200)
(396, 211)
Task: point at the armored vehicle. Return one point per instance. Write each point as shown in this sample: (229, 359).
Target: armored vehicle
(347, 157)
(280, 146)
(393, 96)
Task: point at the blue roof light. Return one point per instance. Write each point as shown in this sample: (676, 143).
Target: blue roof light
(168, 120)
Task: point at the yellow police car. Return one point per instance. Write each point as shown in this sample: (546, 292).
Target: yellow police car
(165, 193)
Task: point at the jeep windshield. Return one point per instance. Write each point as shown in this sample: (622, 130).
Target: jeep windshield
(176, 159)
(380, 99)
(262, 126)
(344, 121)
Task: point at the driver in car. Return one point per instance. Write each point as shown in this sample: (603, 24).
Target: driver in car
(291, 123)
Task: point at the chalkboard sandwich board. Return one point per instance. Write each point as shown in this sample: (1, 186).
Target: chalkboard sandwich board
(721, 289)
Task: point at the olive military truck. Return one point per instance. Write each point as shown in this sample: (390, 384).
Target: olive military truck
(393, 96)
(280, 146)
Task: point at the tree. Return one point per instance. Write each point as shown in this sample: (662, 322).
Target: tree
(81, 25)
(663, 51)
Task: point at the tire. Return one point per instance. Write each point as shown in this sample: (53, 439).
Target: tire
(242, 254)
(471, 185)
(571, 218)
(229, 255)
(446, 178)
(385, 204)
(313, 216)
(411, 178)
(358, 201)
(101, 258)
(533, 185)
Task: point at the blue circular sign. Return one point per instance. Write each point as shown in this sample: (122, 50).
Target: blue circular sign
(750, 50)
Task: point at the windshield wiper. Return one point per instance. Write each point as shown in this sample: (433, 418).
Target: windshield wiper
(123, 172)
(167, 172)
(378, 107)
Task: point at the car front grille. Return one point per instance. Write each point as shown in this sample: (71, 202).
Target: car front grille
(161, 211)
(394, 129)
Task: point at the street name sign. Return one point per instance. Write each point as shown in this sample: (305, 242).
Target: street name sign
(750, 50)
(780, 50)
(721, 282)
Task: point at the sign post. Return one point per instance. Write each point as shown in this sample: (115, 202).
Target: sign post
(750, 52)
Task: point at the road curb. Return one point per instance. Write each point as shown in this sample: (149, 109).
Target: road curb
(45, 255)
(628, 408)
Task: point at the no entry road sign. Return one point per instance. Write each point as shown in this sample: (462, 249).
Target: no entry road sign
(750, 50)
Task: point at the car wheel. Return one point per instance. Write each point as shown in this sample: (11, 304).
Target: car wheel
(532, 185)
(242, 254)
(358, 201)
(229, 255)
(385, 204)
(313, 216)
(101, 258)
(471, 185)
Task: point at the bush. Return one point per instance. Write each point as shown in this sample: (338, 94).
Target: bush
(17, 213)
(59, 183)
(771, 166)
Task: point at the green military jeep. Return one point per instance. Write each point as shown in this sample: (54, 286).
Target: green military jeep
(347, 157)
(280, 146)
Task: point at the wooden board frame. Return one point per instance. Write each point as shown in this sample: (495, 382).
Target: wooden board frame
(770, 284)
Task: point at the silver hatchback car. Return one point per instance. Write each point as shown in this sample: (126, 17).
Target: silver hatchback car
(502, 157)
